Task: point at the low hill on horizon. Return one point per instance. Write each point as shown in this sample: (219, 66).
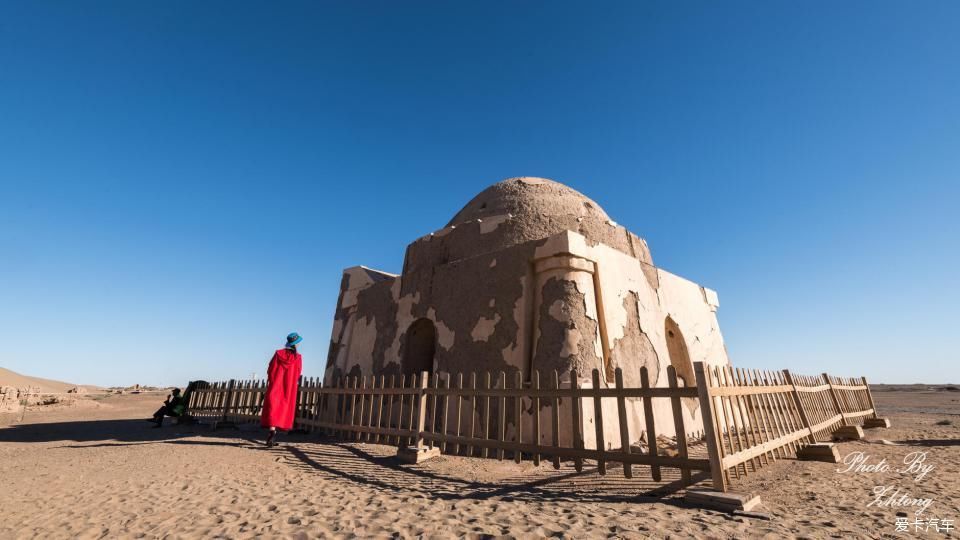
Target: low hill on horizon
(47, 386)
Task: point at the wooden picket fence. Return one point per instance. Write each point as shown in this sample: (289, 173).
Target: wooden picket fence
(750, 418)
(755, 418)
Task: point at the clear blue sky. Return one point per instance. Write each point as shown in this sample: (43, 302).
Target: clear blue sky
(181, 183)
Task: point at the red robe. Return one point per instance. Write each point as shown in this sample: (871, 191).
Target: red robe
(283, 379)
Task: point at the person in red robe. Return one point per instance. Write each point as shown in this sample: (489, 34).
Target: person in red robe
(283, 380)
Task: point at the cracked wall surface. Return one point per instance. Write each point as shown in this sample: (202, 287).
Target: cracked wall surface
(566, 333)
(634, 349)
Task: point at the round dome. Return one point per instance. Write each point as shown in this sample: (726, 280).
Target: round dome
(516, 212)
(529, 198)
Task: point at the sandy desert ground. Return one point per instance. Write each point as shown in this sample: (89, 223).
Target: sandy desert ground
(100, 471)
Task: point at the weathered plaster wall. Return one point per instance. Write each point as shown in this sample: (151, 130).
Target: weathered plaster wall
(489, 287)
(634, 309)
(478, 306)
(566, 329)
(363, 310)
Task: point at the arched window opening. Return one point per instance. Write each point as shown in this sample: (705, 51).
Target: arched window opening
(420, 346)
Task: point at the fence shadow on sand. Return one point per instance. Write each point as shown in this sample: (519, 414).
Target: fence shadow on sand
(453, 478)
(372, 465)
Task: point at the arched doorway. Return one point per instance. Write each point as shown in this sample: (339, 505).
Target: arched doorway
(679, 357)
(420, 345)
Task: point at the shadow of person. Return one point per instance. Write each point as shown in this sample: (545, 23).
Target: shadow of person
(124, 430)
(931, 442)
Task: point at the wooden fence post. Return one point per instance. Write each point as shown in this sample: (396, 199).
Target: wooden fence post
(485, 451)
(836, 399)
(710, 435)
(320, 412)
(444, 414)
(535, 406)
(473, 410)
(555, 419)
(800, 408)
(518, 416)
(422, 410)
(412, 441)
(192, 402)
(575, 416)
(456, 449)
(598, 423)
(229, 396)
(502, 417)
(362, 401)
(870, 397)
(622, 418)
(678, 422)
(298, 407)
(650, 427)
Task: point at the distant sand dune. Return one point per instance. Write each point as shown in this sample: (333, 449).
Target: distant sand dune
(46, 386)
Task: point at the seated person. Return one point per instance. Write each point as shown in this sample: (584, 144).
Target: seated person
(175, 405)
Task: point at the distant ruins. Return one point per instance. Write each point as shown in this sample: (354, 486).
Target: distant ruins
(529, 275)
(9, 399)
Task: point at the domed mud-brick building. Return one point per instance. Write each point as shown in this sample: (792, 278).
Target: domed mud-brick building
(530, 275)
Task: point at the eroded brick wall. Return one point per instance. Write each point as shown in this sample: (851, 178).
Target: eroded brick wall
(9, 399)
